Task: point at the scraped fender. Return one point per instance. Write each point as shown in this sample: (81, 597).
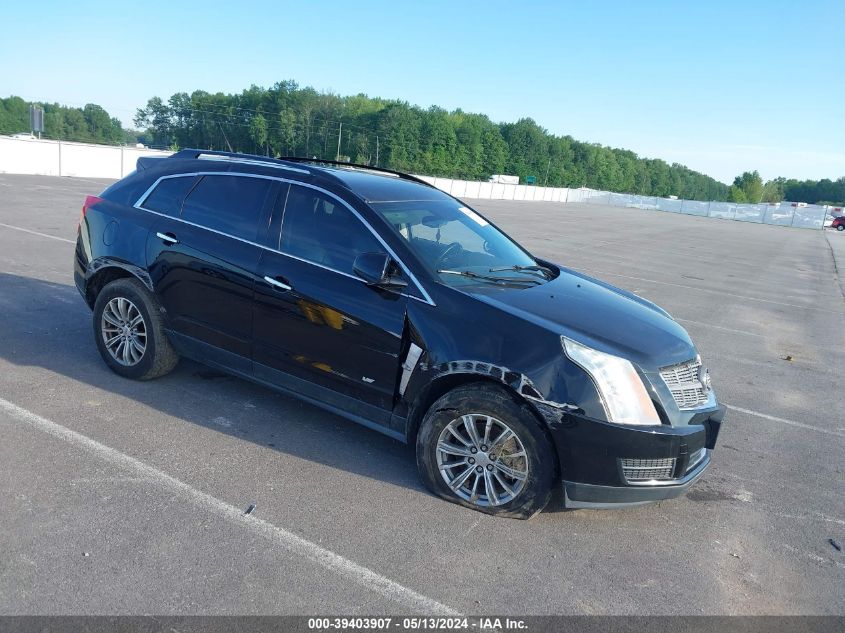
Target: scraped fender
(516, 382)
(100, 264)
(102, 270)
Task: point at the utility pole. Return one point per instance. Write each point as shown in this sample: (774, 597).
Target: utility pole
(225, 138)
(546, 179)
(339, 133)
(376, 150)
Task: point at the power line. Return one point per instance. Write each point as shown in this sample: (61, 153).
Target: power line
(327, 125)
(264, 112)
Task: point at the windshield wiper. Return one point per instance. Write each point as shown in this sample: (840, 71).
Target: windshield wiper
(545, 271)
(497, 279)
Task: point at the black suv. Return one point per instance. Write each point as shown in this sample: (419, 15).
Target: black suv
(378, 297)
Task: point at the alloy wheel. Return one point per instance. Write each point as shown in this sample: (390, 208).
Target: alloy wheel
(482, 460)
(124, 331)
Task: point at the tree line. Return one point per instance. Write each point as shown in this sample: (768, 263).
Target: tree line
(749, 187)
(287, 120)
(90, 124)
(824, 191)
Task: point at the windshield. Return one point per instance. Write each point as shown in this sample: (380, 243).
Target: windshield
(451, 238)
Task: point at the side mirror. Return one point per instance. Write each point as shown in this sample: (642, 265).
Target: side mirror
(376, 270)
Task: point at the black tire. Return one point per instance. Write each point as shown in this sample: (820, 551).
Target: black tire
(159, 357)
(489, 399)
(841, 227)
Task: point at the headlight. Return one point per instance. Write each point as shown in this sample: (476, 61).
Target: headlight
(623, 394)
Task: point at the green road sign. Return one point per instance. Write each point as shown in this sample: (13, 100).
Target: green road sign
(531, 180)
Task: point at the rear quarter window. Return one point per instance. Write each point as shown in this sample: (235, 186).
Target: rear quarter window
(229, 204)
(168, 195)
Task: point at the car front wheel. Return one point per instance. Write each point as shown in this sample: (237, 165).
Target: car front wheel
(129, 331)
(481, 448)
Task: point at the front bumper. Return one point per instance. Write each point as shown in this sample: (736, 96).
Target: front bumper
(578, 495)
(591, 454)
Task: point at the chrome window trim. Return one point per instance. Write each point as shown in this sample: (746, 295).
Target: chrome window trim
(266, 248)
(139, 204)
(149, 190)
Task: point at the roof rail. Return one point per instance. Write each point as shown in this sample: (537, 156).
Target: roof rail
(338, 163)
(284, 162)
(237, 157)
(196, 153)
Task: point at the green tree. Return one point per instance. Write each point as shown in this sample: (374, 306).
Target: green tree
(773, 190)
(156, 118)
(528, 150)
(100, 126)
(258, 131)
(751, 185)
(736, 194)
(815, 191)
(14, 115)
(91, 123)
(430, 141)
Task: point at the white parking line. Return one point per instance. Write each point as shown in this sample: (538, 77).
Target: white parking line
(52, 237)
(594, 271)
(773, 418)
(297, 545)
(103, 182)
(719, 327)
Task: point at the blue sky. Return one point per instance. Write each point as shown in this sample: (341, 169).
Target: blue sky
(719, 86)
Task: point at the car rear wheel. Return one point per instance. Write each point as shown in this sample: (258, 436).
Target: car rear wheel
(840, 227)
(129, 331)
(481, 448)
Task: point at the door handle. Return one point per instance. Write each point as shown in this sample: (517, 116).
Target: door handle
(167, 238)
(276, 283)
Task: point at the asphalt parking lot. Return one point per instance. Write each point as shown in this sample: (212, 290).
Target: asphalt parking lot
(126, 497)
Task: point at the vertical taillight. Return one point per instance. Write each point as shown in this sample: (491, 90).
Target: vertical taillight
(90, 201)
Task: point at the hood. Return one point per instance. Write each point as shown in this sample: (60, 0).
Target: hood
(597, 314)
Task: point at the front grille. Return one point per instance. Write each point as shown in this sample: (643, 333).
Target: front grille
(682, 380)
(639, 470)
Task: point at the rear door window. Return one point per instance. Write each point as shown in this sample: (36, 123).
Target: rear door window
(168, 195)
(229, 204)
(319, 229)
